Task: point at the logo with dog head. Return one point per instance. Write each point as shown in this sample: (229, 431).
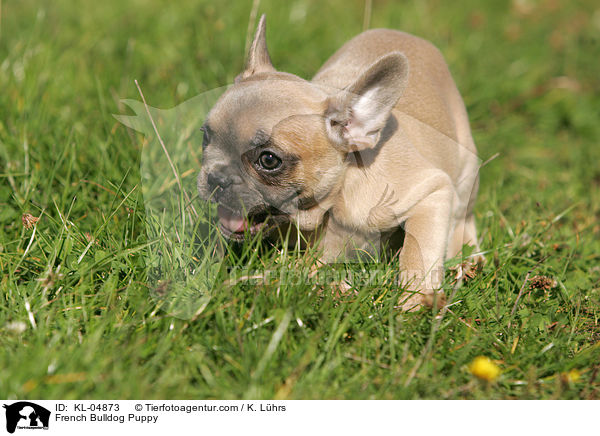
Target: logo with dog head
(26, 415)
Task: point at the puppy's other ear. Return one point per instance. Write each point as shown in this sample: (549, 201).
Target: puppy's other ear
(258, 59)
(357, 114)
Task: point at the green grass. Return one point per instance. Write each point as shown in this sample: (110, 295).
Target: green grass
(77, 316)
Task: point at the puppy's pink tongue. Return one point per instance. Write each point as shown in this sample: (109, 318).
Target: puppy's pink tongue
(232, 222)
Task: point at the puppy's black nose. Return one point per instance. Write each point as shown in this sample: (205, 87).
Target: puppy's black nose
(218, 181)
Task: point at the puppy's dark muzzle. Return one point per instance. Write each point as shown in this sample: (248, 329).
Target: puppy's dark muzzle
(218, 180)
(217, 183)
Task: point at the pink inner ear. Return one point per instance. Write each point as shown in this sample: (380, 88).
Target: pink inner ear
(356, 137)
(346, 127)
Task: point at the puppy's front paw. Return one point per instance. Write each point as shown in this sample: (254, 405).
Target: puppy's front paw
(414, 301)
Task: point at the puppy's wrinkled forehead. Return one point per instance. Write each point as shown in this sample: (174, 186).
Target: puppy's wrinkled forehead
(247, 113)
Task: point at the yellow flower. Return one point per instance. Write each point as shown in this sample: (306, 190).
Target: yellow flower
(482, 367)
(572, 376)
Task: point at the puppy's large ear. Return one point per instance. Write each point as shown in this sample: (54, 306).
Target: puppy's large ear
(258, 60)
(356, 115)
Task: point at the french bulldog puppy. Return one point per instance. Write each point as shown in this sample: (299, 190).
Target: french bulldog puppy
(377, 141)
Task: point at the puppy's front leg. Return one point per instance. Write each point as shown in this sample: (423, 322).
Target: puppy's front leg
(342, 244)
(422, 256)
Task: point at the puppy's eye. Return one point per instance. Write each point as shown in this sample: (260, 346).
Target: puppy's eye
(269, 161)
(205, 137)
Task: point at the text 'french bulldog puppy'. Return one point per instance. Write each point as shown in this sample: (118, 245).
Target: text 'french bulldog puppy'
(379, 140)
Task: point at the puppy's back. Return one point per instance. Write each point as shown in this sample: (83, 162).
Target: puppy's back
(431, 95)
